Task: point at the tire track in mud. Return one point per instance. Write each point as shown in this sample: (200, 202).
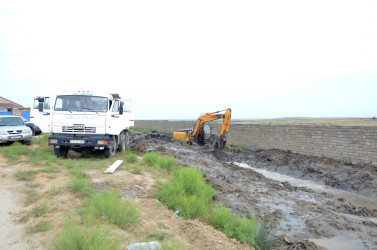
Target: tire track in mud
(303, 218)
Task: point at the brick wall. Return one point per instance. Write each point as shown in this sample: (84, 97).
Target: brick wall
(348, 144)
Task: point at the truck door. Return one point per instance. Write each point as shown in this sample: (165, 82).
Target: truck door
(115, 125)
(40, 114)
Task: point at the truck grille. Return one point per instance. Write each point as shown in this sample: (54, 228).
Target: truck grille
(78, 129)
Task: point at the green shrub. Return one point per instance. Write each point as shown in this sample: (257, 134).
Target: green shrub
(187, 192)
(249, 230)
(110, 207)
(131, 157)
(80, 186)
(157, 161)
(75, 237)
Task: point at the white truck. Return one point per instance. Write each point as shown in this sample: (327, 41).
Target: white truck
(84, 120)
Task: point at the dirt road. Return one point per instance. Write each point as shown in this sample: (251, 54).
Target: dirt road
(12, 233)
(314, 202)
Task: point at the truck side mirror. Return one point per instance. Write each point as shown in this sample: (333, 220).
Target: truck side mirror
(40, 107)
(121, 108)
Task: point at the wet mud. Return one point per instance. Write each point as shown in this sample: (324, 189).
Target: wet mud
(315, 203)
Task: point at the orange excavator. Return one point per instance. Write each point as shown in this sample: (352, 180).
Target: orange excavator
(201, 135)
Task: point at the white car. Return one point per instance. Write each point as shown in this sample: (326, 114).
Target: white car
(13, 128)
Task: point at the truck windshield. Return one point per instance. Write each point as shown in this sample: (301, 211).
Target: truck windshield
(81, 103)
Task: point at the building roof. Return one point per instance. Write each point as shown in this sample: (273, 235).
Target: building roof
(9, 104)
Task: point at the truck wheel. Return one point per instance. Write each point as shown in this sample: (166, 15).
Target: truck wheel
(126, 139)
(111, 150)
(122, 144)
(61, 152)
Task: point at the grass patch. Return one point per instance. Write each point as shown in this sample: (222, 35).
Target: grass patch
(51, 169)
(80, 186)
(36, 212)
(140, 130)
(32, 196)
(15, 150)
(41, 226)
(110, 207)
(25, 175)
(249, 230)
(187, 192)
(157, 161)
(75, 237)
(54, 190)
(136, 169)
(131, 157)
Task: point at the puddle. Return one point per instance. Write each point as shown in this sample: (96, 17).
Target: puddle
(355, 199)
(339, 243)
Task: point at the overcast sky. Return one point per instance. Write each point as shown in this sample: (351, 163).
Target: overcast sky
(178, 59)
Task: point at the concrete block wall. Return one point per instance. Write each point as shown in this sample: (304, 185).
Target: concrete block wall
(357, 145)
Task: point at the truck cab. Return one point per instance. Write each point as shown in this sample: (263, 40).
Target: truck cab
(85, 120)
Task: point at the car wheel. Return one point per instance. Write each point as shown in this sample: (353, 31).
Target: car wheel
(28, 143)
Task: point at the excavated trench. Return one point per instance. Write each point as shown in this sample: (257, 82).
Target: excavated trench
(313, 202)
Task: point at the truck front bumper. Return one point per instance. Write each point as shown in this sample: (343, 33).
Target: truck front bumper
(80, 142)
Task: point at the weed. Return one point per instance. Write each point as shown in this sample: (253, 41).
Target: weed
(41, 226)
(187, 192)
(15, 150)
(79, 173)
(136, 169)
(140, 130)
(131, 157)
(25, 175)
(110, 207)
(32, 197)
(158, 236)
(157, 161)
(248, 230)
(278, 158)
(51, 169)
(36, 212)
(75, 237)
(80, 186)
(54, 190)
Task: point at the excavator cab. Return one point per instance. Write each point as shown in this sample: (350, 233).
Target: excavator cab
(201, 133)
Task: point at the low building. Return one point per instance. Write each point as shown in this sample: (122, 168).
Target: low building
(8, 107)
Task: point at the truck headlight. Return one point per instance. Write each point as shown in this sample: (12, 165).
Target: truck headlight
(104, 142)
(3, 132)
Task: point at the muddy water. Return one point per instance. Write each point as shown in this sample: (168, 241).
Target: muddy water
(355, 199)
(307, 212)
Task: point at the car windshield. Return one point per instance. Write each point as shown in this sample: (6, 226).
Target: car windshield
(81, 103)
(11, 121)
